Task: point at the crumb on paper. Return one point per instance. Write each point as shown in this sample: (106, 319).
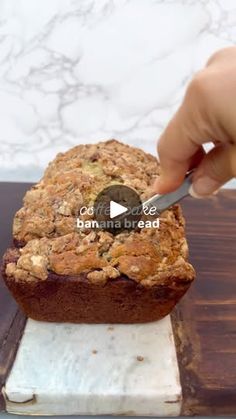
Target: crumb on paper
(140, 358)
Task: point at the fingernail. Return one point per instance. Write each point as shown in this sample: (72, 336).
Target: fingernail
(193, 193)
(203, 187)
(157, 184)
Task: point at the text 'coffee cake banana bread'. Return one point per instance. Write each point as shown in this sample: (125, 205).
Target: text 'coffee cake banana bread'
(57, 272)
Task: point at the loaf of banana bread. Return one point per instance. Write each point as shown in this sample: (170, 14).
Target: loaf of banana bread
(57, 272)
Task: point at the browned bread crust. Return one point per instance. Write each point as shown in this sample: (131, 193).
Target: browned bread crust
(59, 273)
(64, 298)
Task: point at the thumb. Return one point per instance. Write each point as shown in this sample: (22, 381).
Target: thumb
(216, 168)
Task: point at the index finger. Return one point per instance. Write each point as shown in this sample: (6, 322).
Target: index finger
(180, 146)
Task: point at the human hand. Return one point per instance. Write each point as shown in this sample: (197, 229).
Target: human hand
(208, 113)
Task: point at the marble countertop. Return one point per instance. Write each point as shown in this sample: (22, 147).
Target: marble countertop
(78, 71)
(64, 368)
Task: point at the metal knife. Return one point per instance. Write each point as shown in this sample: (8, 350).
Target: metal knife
(162, 202)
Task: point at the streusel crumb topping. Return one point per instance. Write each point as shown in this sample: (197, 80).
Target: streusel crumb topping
(49, 240)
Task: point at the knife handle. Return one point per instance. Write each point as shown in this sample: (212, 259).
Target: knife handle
(163, 202)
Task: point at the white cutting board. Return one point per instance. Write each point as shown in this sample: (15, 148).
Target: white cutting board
(66, 369)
